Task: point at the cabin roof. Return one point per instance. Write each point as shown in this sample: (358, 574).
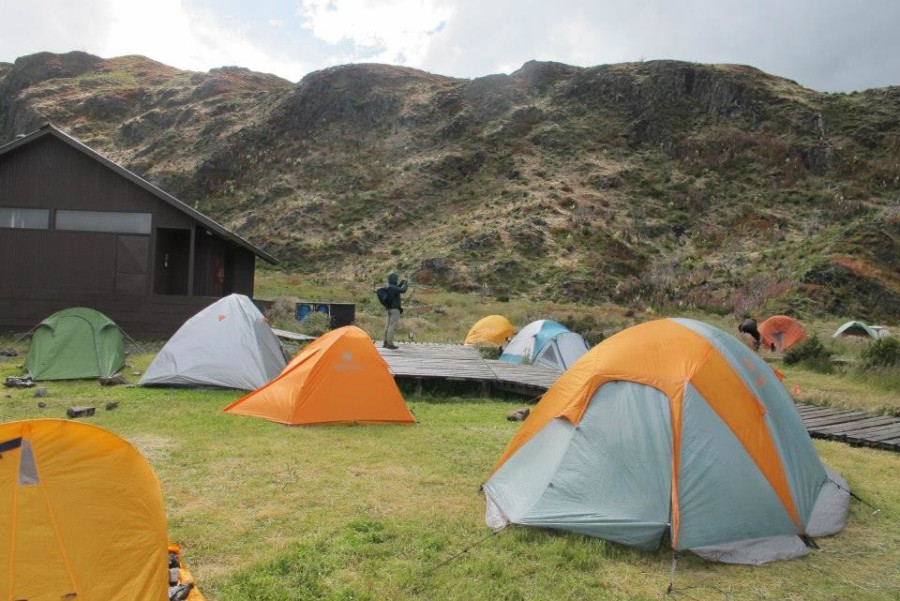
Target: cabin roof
(50, 130)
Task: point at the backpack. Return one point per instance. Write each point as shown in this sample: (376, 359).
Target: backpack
(383, 296)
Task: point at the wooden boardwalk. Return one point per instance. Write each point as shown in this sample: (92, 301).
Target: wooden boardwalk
(455, 362)
(853, 427)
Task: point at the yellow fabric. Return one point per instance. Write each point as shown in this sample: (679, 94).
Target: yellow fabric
(93, 525)
(493, 329)
(339, 377)
(665, 355)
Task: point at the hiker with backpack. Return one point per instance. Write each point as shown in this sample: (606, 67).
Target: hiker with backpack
(748, 326)
(389, 297)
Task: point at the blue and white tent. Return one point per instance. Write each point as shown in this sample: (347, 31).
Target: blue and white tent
(545, 342)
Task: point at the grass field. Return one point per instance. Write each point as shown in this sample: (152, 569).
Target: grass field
(267, 512)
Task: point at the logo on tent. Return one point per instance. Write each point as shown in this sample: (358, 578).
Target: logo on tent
(348, 364)
(221, 317)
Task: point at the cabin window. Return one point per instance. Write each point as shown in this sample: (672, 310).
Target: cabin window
(103, 221)
(25, 219)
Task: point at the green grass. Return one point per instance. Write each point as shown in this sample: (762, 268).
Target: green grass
(268, 512)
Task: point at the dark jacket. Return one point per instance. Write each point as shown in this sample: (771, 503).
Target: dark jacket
(748, 326)
(395, 289)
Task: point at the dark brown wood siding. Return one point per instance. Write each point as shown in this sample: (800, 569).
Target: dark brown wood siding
(143, 316)
(49, 174)
(149, 283)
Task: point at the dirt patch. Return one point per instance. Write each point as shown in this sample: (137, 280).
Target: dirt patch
(154, 448)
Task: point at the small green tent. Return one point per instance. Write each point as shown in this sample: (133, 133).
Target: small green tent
(75, 343)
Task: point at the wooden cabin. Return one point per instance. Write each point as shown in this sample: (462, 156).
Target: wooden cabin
(76, 229)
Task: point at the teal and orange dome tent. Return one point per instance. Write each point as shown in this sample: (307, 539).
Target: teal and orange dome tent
(670, 431)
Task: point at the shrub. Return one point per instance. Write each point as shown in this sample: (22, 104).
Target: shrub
(593, 337)
(281, 313)
(315, 324)
(884, 352)
(811, 354)
(490, 352)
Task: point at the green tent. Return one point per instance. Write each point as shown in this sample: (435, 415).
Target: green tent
(855, 328)
(75, 343)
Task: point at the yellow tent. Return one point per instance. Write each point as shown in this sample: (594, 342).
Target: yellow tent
(81, 516)
(493, 329)
(340, 377)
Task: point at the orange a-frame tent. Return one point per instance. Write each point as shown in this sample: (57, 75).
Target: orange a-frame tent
(340, 377)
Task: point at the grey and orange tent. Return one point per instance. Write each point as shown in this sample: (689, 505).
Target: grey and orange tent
(228, 344)
(493, 329)
(781, 332)
(338, 378)
(82, 516)
(675, 431)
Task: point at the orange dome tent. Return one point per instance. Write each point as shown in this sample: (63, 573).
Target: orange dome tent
(83, 516)
(781, 331)
(339, 378)
(493, 329)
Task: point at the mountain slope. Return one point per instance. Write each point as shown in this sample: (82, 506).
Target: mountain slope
(659, 183)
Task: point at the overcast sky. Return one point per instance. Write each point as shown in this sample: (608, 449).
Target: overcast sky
(827, 45)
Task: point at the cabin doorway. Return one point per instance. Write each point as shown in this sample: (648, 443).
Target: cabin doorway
(172, 263)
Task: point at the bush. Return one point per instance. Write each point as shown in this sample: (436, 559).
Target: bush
(490, 352)
(811, 354)
(315, 324)
(281, 313)
(884, 352)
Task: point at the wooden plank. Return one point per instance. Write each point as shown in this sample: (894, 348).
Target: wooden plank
(437, 361)
(288, 335)
(876, 430)
(820, 412)
(805, 407)
(843, 417)
(883, 435)
(844, 429)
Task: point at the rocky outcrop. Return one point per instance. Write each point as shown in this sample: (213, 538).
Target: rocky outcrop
(568, 182)
(842, 291)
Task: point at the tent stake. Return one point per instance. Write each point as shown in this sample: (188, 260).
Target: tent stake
(671, 586)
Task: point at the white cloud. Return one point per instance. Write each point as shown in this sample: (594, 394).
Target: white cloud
(50, 26)
(392, 31)
(826, 44)
(165, 31)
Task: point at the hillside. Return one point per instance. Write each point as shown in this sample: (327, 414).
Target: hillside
(664, 184)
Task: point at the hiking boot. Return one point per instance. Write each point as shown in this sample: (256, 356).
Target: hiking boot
(393, 347)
